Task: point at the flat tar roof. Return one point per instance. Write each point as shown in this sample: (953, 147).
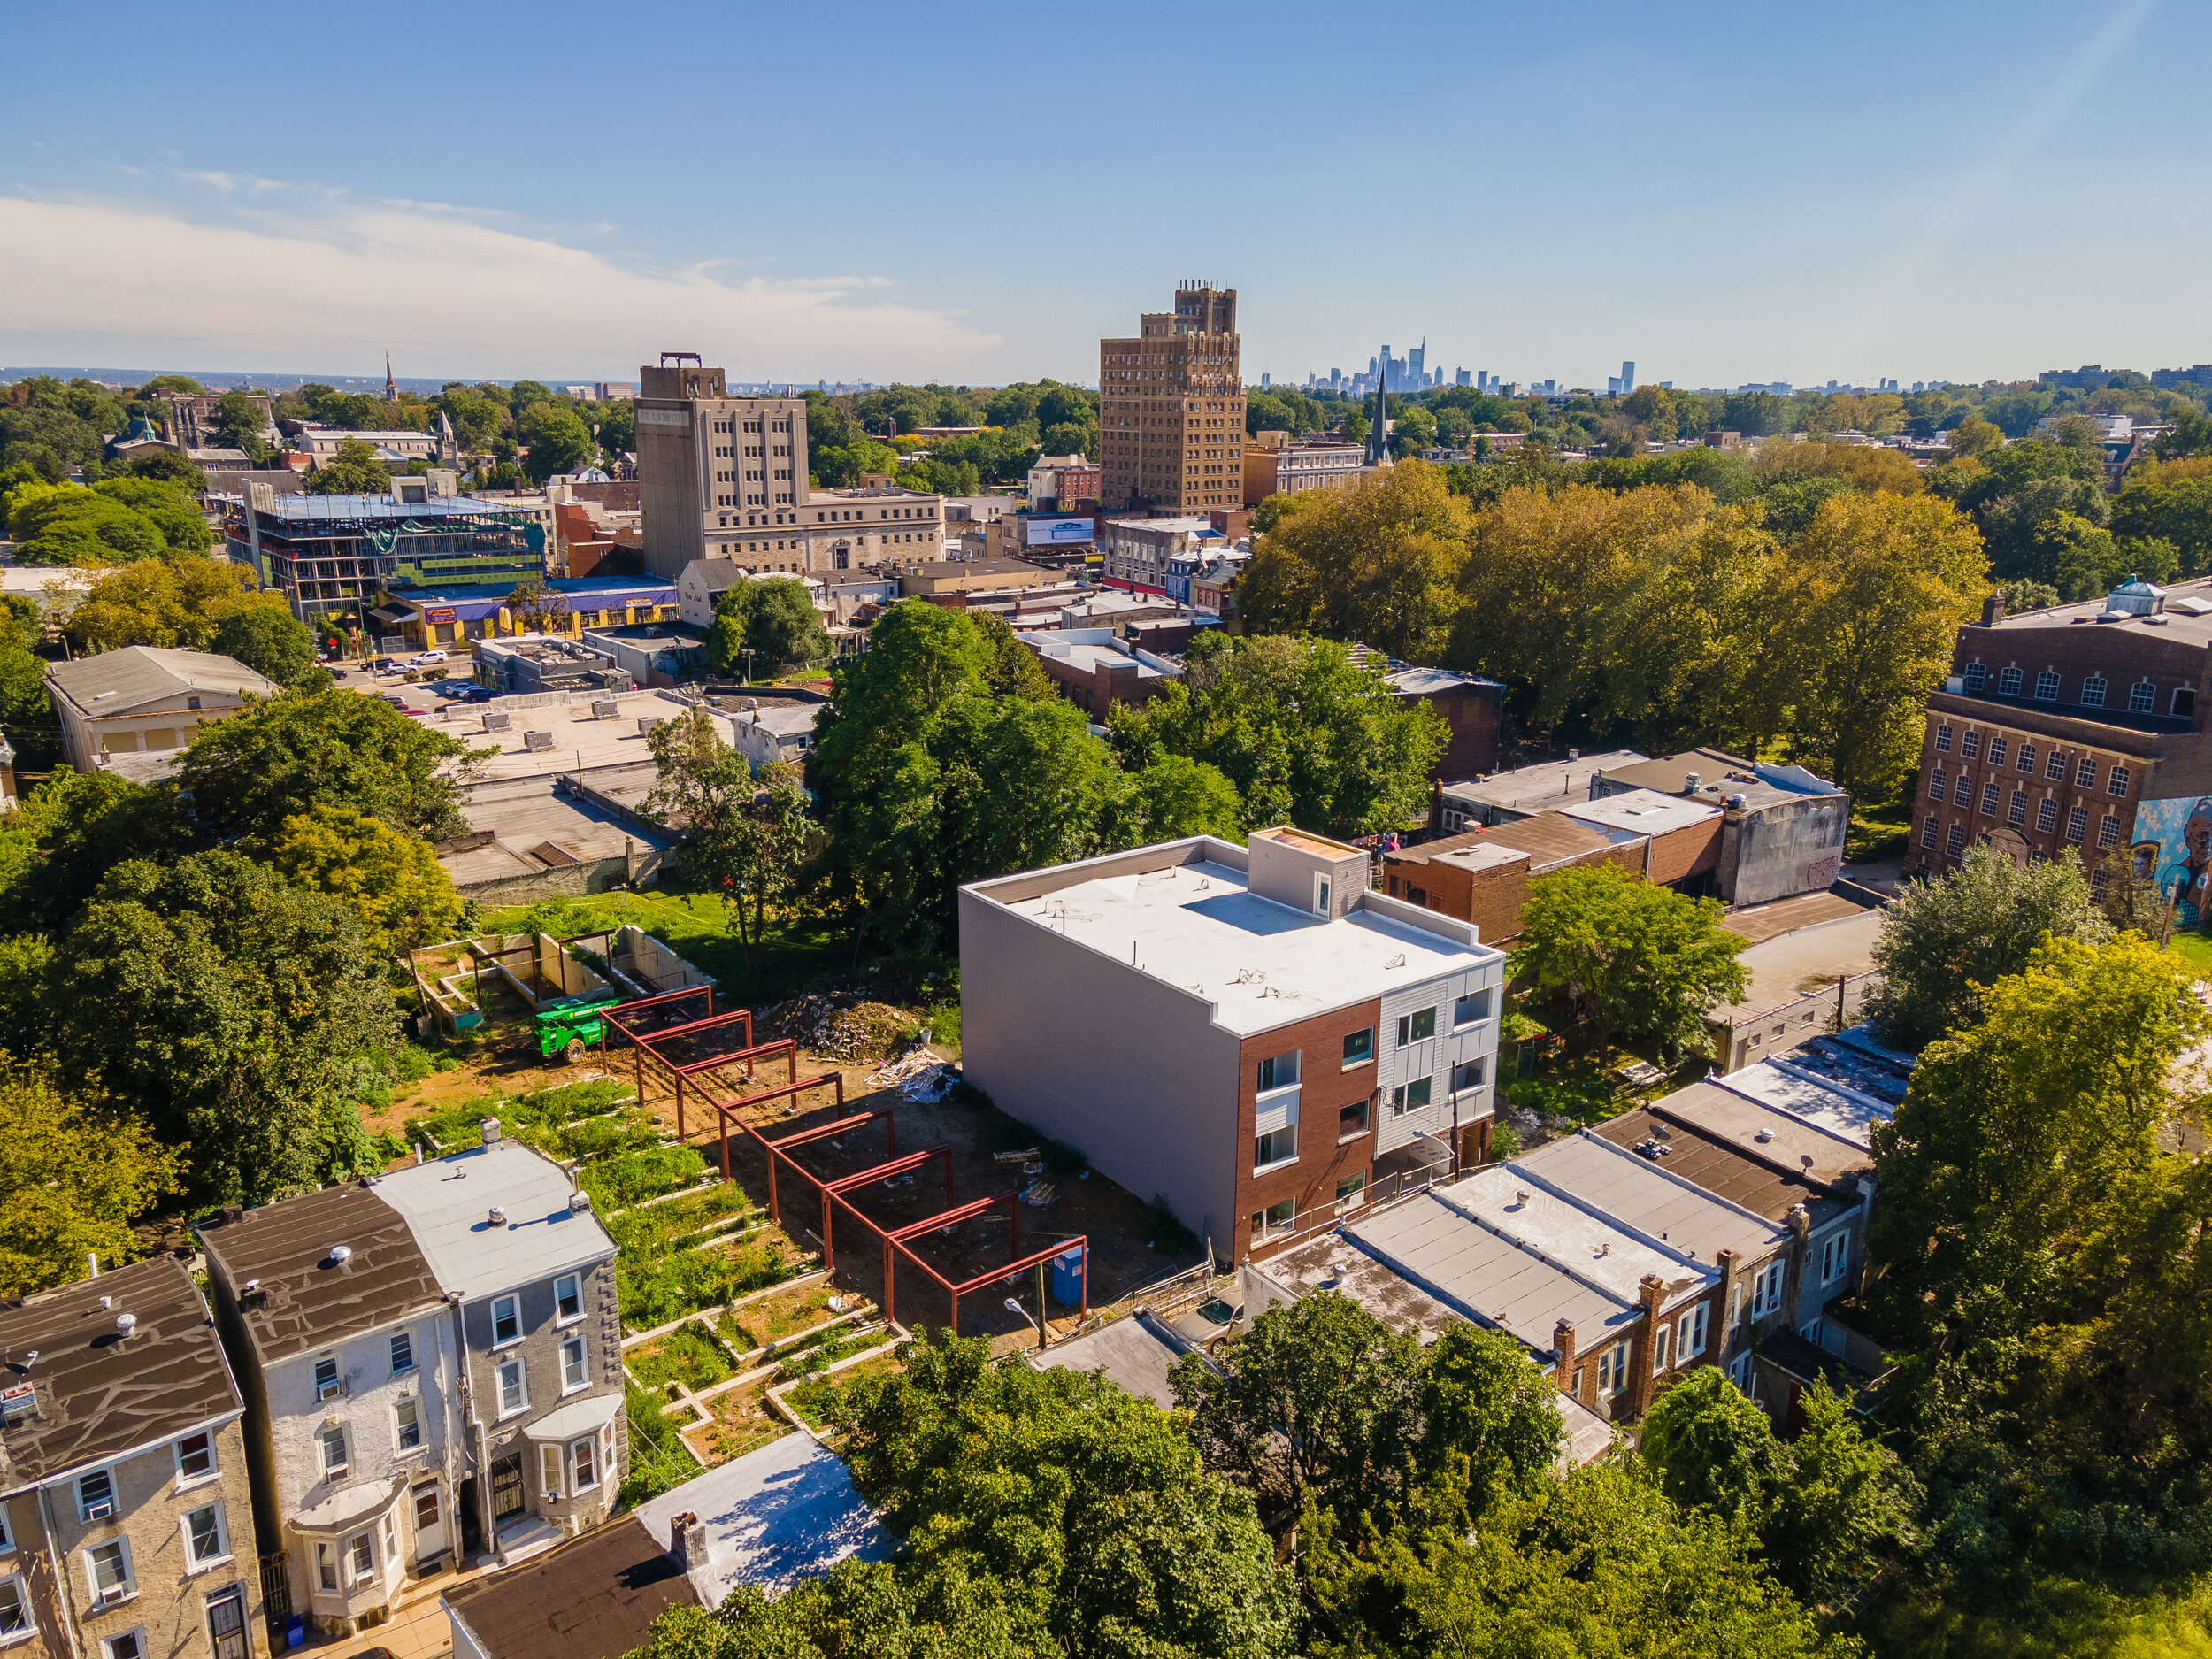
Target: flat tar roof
(1196, 927)
(1845, 1118)
(307, 1300)
(1707, 1159)
(1135, 1353)
(1787, 966)
(1518, 1206)
(1547, 784)
(1487, 1278)
(448, 1203)
(1642, 812)
(1644, 1198)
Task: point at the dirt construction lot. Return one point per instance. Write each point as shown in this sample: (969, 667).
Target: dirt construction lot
(1086, 1204)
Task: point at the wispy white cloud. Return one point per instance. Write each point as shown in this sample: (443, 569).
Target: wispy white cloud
(331, 282)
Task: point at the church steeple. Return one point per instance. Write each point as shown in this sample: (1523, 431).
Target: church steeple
(391, 386)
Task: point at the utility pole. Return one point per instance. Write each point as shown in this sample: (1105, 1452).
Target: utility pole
(746, 651)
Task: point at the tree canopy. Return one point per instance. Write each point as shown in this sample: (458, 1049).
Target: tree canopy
(1944, 942)
(238, 1014)
(391, 880)
(1642, 960)
(322, 747)
(76, 1171)
(773, 617)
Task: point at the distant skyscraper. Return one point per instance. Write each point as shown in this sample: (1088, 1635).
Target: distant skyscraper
(1414, 360)
(1267, 381)
(1463, 379)
(1628, 379)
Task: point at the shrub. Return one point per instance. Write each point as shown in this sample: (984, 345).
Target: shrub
(631, 1178)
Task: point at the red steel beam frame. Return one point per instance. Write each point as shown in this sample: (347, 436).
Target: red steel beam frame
(645, 1042)
(798, 1085)
(1000, 1275)
(823, 1131)
(869, 1176)
(896, 1238)
(609, 1018)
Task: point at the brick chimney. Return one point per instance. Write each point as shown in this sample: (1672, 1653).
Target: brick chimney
(1562, 1341)
(1992, 610)
(1731, 1281)
(687, 1541)
(1651, 1291)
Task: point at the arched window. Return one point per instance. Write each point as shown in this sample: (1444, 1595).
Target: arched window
(2185, 703)
(2093, 692)
(2142, 697)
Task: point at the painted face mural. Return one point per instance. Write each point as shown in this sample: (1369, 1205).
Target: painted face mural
(2176, 834)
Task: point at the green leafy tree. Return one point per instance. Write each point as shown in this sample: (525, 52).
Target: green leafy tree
(76, 526)
(1598, 1562)
(76, 1171)
(1080, 1510)
(1013, 670)
(1870, 601)
(2018, 1165)
(351, 469)
(1372, 562)
(1714, 1449)
(743, 840)
(1642, 961)
(557, 439)
(239, 1013)
(1846, 1511)
(391, 880)
(183, 526)
(327, 747)
(81, 825)
(925, 777)
(240, 424)
(773, 617)
(177, 603)
(1304, 733)
(1175, 797)
(538, 607)
(167, 466)
(261, 632)
(1944, 943)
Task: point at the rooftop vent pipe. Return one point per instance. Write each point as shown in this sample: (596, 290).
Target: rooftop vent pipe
(499, 1215)
(1690, 783)
(340, 1253)
(124, 1323)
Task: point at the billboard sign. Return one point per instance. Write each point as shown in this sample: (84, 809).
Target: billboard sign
(1060, 532)
(441, 613)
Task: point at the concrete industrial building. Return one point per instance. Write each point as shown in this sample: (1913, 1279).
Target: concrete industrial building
(433, 1360)
(1171, 409)
(129, 1529)
(144, 699)
(725, 478)
(2080, 728)
(1248, 1032)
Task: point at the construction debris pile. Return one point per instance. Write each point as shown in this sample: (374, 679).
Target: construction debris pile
(836, 1030)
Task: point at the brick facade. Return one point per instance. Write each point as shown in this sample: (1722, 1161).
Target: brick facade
(1325, 1086)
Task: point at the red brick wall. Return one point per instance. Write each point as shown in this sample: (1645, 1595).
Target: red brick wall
(1324, 1087)
(1961, 718)
(1689, 851)
(1472, 712)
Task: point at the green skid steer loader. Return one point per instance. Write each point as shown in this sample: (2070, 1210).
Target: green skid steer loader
(569, 1028)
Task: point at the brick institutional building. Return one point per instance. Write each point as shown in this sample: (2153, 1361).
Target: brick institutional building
(2077, 727)
(1171, 409)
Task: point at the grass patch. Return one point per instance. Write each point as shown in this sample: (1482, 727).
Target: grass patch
(586, 1121)
(631, 1178)
(776, 1317)
(817, 1399)
(670, 1286)
(659, 1461)
(689, 1357)
(2194, 949)
(817, 1352)
(743, 1422)
(659, 1228)
(944, 1026)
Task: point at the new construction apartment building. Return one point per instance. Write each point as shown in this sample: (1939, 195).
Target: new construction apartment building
(1171, 409)
(725, 478)
(1247, 1032)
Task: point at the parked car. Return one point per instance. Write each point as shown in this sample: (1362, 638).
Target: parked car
(424, 659)
(476, 693)
(384, 664)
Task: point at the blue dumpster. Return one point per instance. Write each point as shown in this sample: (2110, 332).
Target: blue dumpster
(1067, 1279)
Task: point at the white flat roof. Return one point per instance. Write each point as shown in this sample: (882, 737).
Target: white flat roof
(1547, 783)
(1641, 812)
(1487, 1278)
(1846, 1117)
(786, 1512)
(1790, 1143)
(1646, 1199)
(1194, 926)
(1594, 1251)
(447, 1203)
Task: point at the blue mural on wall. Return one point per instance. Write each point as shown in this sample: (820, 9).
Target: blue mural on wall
(2173, 845)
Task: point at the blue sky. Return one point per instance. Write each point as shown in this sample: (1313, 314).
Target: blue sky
(979, 192)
